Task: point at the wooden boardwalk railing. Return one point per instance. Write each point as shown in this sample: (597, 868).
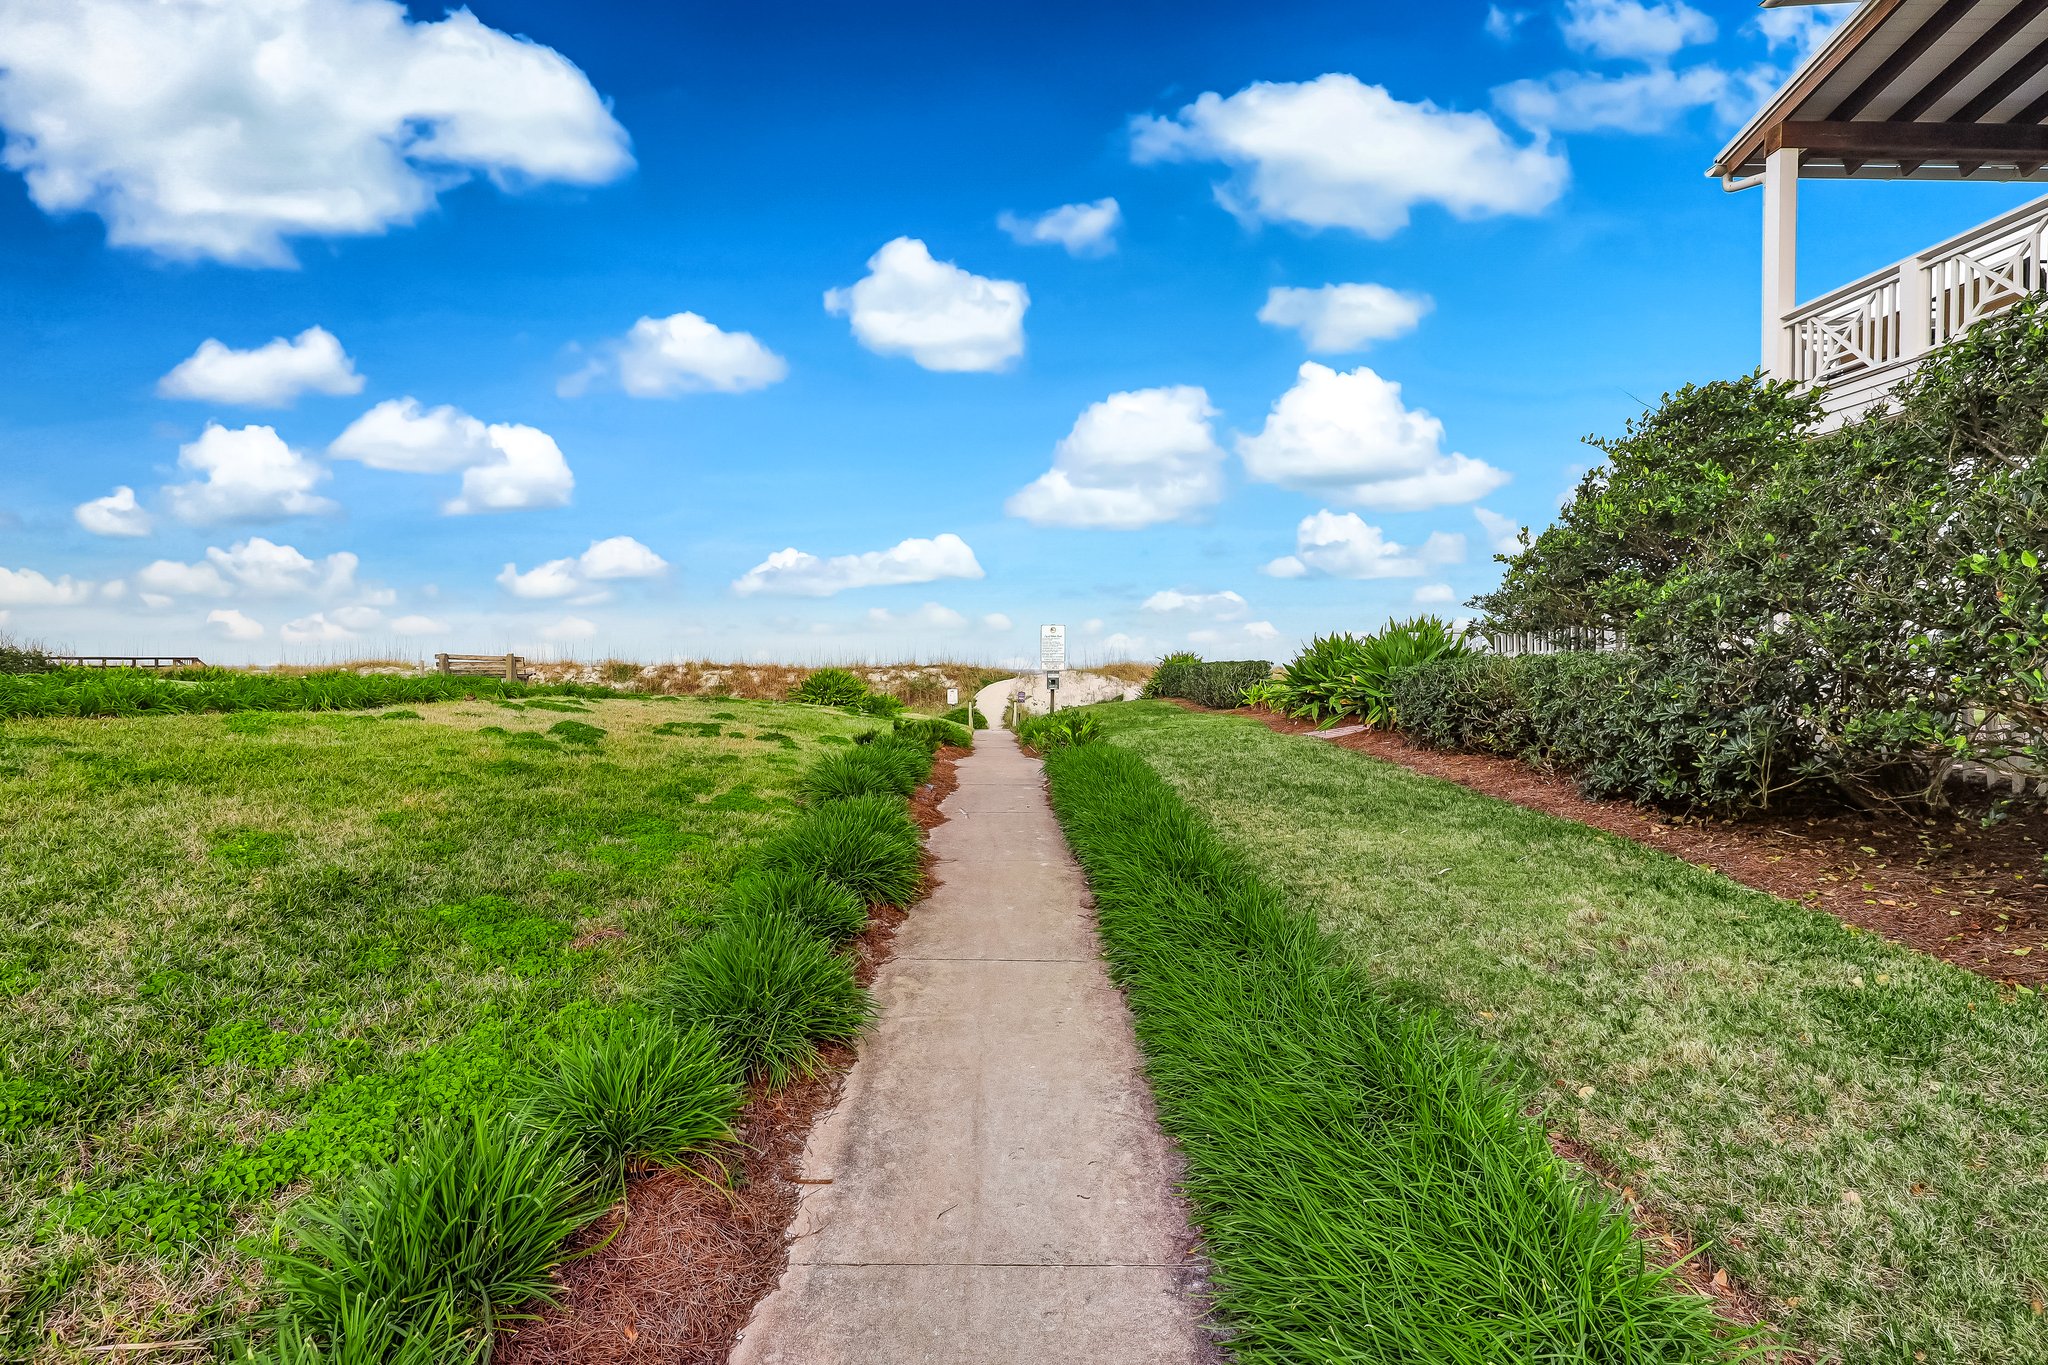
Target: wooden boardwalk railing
(126, 660)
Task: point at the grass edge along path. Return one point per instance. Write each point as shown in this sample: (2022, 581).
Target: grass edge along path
(419, 1262)
(1365, 1182)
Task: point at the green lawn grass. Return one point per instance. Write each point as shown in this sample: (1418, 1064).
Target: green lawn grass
(1861, 1132)
(239, 952)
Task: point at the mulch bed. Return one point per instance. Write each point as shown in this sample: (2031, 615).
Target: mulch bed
(1951, 887)
(683, 1260)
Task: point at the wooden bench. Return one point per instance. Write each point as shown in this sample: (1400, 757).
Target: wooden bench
(506, 666)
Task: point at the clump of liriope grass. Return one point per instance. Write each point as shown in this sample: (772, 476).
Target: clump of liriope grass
(826, 909)
(770, 991)
(367, 1333)
(633, 1089)
(466, 1225)
(886, 768)
(1368, 1187)
(867, 844)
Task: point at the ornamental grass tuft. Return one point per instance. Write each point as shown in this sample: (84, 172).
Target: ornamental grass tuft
(633, 1090)
(867, 844)
(770, 992)
(825, 909)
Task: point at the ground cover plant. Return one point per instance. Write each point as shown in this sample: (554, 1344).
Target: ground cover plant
(1220, 684)
(1367, 1187)
(245, 954)
(1858, 1132)
(1058, 730)
(128, 691)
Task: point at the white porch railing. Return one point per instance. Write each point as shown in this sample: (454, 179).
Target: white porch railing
(1865, 337)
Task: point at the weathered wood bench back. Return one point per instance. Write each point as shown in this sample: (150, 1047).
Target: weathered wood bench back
(506, 666)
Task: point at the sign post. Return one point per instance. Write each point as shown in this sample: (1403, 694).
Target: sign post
(1052, 657)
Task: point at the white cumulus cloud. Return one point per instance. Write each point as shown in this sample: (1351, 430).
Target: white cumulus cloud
(569, 628)
(1631, 29)
(258, 566)
(1345, 317)
(505, 467)
(1435, 595)
(1348, 436)
(1503, 534)
(930, 616)
(996, 620)
(1344, 545)
(28, 588)
(233, 625)
(1637, 101)
(1262, 630)
(1335, 152)
(683, 353)
(795, 573)
(218, 129)
(418, 625)
(250, 474)
(117, 514)
(1134, 459)
(272, 375)
(313, 630)
(1223, 606)
(939, 315)
(605, 561)
(1083, 229)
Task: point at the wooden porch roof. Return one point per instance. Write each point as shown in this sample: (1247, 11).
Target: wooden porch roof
(1913, 89)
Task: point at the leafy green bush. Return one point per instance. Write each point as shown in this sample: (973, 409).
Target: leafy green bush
(770, 991)
(1220, 685)
(867, 844)
(885, 768)
(877, 704)
(1170, 679)
(18, 657)
(824, 908)
(959, 716)
(1367, 1183)
(1340, 676)
(1059, 730)
(830, 687)
(469, 1220)
(630, 1089)
(1865, 609)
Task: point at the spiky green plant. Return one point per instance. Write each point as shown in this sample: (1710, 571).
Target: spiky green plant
(470, 1220)
(1339, 676)
(826, 909)
(634, 1089)
(830, 687)
(886, 767)
(1060, 730)
(867, 844)
(367, 1333)
(770, 991)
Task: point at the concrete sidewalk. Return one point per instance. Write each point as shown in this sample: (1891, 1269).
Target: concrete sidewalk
(991, 1188)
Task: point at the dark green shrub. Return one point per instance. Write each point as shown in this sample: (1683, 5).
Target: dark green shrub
(830, 687)
(959, 714)
(867, 844)
(1339, 677)
(17, 657)
(631, 1090)
(824, 908)
(877, 704)
(770, 991)
(470, 1220)
(1170, 679)
(1220, 685)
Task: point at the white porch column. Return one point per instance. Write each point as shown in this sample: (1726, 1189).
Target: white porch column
(1781, 257)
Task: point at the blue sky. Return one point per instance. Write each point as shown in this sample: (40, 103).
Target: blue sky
(743, 331)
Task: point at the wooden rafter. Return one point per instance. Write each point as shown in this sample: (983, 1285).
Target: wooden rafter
(1998, 143)
(1912, 50)
(1972, 57)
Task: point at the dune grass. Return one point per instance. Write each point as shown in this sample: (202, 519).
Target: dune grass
(1861, 1132)
(241, 953)
(1366, 1187)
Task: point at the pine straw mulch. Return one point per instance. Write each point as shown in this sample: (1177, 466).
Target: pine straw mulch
(681, 1263)
(1952, 888)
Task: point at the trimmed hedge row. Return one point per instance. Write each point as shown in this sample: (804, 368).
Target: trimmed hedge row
(1622, 725)
(1219, 685)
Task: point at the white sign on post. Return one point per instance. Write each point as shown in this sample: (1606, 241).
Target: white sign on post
(1052, 648)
